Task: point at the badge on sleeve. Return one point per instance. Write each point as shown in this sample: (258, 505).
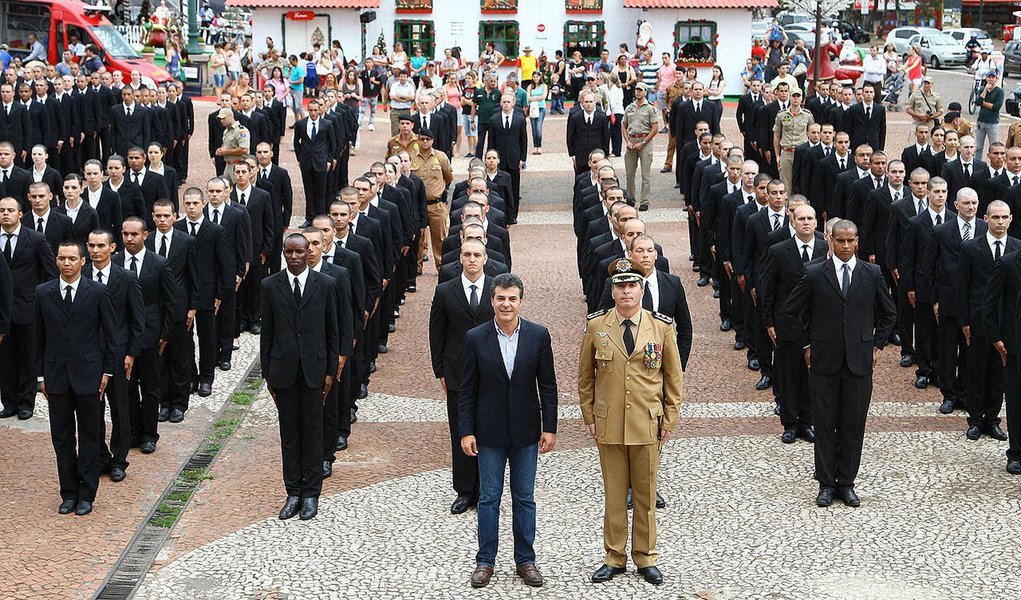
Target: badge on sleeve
(653, 355)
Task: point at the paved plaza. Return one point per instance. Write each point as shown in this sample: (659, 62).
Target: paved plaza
(940, 516)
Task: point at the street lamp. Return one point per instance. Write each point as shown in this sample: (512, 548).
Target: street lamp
(193, 27)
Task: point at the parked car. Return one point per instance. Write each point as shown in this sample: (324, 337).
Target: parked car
(900, 36)
(850, 31)
(939, 49)
(788, 18)
(760, 29)
(1011, 58)
(964, 34)
(1012, 102)
(793, 35)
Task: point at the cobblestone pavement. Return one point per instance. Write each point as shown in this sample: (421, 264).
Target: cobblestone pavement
(938, 512)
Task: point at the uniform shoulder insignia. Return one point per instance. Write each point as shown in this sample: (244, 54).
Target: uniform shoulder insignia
(598, 313)
(662, 317)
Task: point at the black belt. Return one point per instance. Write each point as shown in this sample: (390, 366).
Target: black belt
(437, 201)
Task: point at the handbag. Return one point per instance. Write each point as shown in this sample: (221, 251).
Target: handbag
(533, 110)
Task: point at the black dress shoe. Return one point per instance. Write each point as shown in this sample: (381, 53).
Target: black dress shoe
(606, 573)
(946, 407)
(922, 382)
(307, 222)
(630, 500)
(739, 345)
(391, 328)
(660, 502)
(643, 207)
(147, 447)
(372, 367)
(411, 289)
(354, 415)
(24, 415)
(1014, 467)
(907, 360)
(776, 407)
(996, 433)
(716, 293)
(205, 389)
(789, 436)
(825, 497)
(255, 329)
(176, 415)
(382, 349)
(725, 325)
(164, 415)
(695, 268)
(763, 383)
(895, 339)
(651, 574)
(850, 498)
(363, 392)
(84, 508)
(691, 258)
(290, 508)
(973, 432)
(461, 504)
(753, 364)
(808, 434)
(67, 506)
(341, 443)
(225, 365)
(8, 413)
(194, 386)
(703, 281)
(117, 474)
(235, 345)
(327, 469)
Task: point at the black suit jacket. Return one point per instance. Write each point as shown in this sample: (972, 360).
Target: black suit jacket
(74, 346)
(864, 130)
(108, 211)
(512, 143)
(912, 159)
(128, 308)
(839, 203)
(843, 330)
(59, 227)
(131, 201)
(284, 321)
(263, 222)
(725, 224)
(16, 127)
(371, 267)
(86, 221)
(746, 114)
(6, 296)
(237, 230)
(1001, 300)
(153, 187)
(874, 226)
(757, 231)
(449, 319)
(915, 275)
(214, 264)
(126, 131)
(583, 138)
(507, 410)
(345, 305)
(352, 263)
(259, 127)
(973, 275)
(216, 130)
(39, 118)
(941, 262)
(953, 172)
(315, 155)
(181, 261)
(281, 195)
(159, 290)
(782, 269)
(16, 187)
(33, 263)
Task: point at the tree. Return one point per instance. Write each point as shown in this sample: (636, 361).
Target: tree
(381, 43)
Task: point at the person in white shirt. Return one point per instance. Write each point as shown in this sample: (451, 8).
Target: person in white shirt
(874, 73)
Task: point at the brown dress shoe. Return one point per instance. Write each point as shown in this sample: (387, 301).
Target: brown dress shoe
(481, 576)
(531, 575)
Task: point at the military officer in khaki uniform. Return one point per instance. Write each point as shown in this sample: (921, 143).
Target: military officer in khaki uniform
(433, 167)
(405, 140)
(629, 387)
(236, 141)
(789, 130)
(640, 125)
(924, 106)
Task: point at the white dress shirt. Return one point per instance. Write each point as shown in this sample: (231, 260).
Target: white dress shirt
(941, 214)
(467, 283)
(105, 272)
(302, 280)
(139, 259)
(808, 246)
(13, 236)
(168, 236)
(839, 264)
(94, 196)
(74, 286)
(992, 244)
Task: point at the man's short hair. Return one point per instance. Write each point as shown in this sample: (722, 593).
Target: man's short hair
(507, 281)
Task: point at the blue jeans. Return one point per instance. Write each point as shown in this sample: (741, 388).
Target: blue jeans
(537, 127)
(492, 462)
(557, 104)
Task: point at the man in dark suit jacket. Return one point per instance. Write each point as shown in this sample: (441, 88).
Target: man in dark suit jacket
(965, 170)
(257, 203)
(456, 308)
(103, 200)
(508, 136)
(865, 122)
(849, 315)
(507, 411)
(15, 124)
(698, 109)
(38, 117)
(783, 268)
(237, 230)
(746, 106)
(587, 130)
(277, 181)
(876, 218)
(277, 114)
(216, 130)
(300, 353)
(153, 186)
(1000, 302)
(841, 201)
(258, 125)
(6, 298)
(57, 227)
(129, 194)
(825, 176)
(14, 180)
(129, 124)
(918, 154)
(858, 193)
(75, 357)
(315, 148)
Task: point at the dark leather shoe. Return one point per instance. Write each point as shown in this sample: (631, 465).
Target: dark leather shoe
(84, 508)
(651, 574)
(147, 447)
(907, 360)
(808, 434)
(290, 508)
(763, 383)
(531, 575)
(753, 364)
(194, 386)
(660, 502)
(895, 339)
(225, 365)
(695, 268)
(176, 415)
(255, 329)
(606, 573)
(703, 281)
(776, 407)
(973, 432)
(24, 415)
(850, 498)
(164, 415)
(363, 392)
(739, 345)
(205, 390)
(391, 328)
(996, 433)
(691, 258)
(354, 414)
(789, 436)
(461, 504)
(67, 506)
(327, 469)
(309, 508)
(8, 413)
(481, 576)
(946, 407)
(1014, 467)
(117, 474)
(341, 443)
(630, 500)
(307, 222)
(411, 289)
(372, 367)
(725, 325)
(825, 497)
(665, 170)
(922, 382)
(382, 349)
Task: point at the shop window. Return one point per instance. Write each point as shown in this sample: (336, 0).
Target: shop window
(499, 6)
(416, 33)
(505, 36)
(587, 37)
(695, 42)
(414, 6)
(583, 6)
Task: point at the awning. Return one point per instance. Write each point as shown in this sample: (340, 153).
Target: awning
(977, 2)
(305, 4)
(697, 4)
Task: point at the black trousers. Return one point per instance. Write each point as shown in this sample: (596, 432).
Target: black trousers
(331, 422)
(694, 236)
(144, 391)
(205, 325)
(480, 145)
(176, 365)
(706, 264)
(1013, 405)
(926, 350)
(226, 328)
(89, 148)
(77, 450)
(985, 383)
(221, 165)
(515, 200)
(763, 345)
(726, 288)
(840, 405)
(953, 361)
(116, 454)
(465, 468)
(104, 148)
(738, 313)
(345, 403)
(69, 159)
(249, 295)
(315, 186)
(792, 373)
(17, 368)
(300, 410)
(905, 322)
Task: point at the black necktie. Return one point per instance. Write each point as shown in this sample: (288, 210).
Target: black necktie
(241, 198)
(750, 198)
(967, 171)
(939, 220)
(629, 338)
(3, 176)
(194, 230)
(351, 228)
(8, 251)
(843, 164)
(216, 216)
(588, 120)
(134, 175)
(996, 255)
(804, 253)
(825, 152)
(265, 173)
(99, 276)
(647, 297)
(297, 291)
(163, 247)
(67, 296)
(506, 122)
(313, 137)
(134, 266)
(473, 302)
(845, 280)
(868, 112)
(896, 196)
(39, 225)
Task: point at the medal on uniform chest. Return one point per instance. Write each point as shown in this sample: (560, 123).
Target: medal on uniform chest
(603, 338)
(653, 355)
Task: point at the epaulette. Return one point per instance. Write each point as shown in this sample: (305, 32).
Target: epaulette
(598, 313)
(662, 317)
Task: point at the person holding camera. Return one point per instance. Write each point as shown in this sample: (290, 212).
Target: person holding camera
(925, 106)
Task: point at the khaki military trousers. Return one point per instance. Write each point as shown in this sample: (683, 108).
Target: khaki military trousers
(633, 466)
(439, 223)
(631, 164)
(787, 168)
